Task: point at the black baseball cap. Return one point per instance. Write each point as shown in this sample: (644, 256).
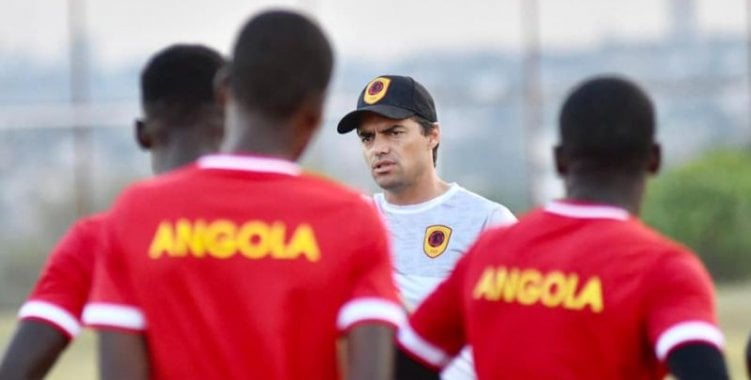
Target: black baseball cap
(392, 96)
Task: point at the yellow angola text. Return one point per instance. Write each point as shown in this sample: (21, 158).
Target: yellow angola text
(223, 239)
(553, 289)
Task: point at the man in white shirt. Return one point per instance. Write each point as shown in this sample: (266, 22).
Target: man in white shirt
(431, 222)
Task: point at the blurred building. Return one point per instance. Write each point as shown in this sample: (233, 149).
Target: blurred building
(699, 82)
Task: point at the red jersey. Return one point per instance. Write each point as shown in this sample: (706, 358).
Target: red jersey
(242, 267)
(572, 291)
(63, 287)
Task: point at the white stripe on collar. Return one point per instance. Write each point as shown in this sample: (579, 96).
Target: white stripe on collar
(249, 163)
(581, 211)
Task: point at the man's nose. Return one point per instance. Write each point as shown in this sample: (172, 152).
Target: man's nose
(380, 145)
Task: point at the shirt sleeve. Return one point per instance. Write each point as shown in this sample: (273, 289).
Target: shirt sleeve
(680, 304)
(374, 296)
(435, 332)
(63, 287)
(500, 216)
(112, 304)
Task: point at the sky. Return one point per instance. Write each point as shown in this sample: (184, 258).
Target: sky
(123, 32)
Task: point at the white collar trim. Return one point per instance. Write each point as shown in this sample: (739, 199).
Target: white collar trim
(586, 211)
(418, 207)
(249, 163)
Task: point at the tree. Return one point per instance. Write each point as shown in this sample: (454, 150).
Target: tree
(706, 204)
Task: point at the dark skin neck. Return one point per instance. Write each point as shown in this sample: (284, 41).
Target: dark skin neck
(622, 185)
(624, 191)
(176, 140)
(182, 147)
(250, 132)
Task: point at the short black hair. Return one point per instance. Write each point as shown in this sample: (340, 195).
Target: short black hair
(280, 59)
(179, 79)
(608, 122)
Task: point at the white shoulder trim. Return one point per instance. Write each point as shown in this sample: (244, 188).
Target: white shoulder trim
(52, 313)
(412, 341)
(369, 308)
(114, 315)
(686, 332)
(249, 163)
(586, 211)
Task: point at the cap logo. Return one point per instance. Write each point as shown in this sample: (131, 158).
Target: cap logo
(376, 90)
(436, 240)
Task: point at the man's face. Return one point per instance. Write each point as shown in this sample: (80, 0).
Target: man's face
(396, 151)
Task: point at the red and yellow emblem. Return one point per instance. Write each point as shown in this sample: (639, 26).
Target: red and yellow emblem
(436, 240)
(376, 90)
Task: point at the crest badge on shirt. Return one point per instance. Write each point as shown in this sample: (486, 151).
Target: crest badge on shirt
(436, 240)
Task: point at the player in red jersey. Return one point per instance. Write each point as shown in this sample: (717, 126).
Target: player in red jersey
(579, 289)
(241, 266)
(183, 121)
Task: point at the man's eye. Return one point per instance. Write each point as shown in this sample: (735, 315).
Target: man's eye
(366, 138)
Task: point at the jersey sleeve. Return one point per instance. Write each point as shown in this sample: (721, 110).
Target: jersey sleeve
(63, 287)
(113, 304)
(680, 304)
(500, 216)
(435, 332)
(373, 297)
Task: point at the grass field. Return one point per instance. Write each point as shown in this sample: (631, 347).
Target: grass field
(735, 319)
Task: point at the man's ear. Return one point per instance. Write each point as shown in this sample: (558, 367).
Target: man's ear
(306, 122)
(561, 161)
(311, 114)
(434, 136)
(221, 85)
(142, 136)
(655, 159)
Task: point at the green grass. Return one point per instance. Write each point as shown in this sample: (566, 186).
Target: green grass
(78, 362)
